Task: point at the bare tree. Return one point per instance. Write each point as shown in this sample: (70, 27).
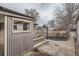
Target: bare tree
(67, 14)
(33, 13)
(51, 23)
(45, 26)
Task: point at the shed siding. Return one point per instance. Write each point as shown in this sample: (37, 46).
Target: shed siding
(18, 42)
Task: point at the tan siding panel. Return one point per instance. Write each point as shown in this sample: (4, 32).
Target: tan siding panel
(18, 42)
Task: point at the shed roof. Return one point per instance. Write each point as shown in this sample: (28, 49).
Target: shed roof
(3, 9)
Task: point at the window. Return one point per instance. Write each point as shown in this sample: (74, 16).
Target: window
(21, 26)
(26, 26)
(15, 27)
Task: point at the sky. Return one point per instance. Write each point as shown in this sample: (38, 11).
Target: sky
(46, 9)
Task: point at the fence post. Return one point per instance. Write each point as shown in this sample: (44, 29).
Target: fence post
(47, 33)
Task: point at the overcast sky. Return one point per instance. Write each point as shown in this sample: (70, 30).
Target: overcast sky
(46, 10)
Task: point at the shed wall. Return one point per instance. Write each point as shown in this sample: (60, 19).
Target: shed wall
(18, 42)
(2, 29)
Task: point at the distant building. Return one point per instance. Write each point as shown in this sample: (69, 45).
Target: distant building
(57, 27)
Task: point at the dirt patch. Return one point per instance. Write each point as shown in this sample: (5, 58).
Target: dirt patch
(76, 49)
(1, 50)
(47, 49)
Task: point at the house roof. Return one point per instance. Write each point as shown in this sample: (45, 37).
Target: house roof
(3, 9)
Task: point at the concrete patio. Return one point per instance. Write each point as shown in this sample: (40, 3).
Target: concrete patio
(55, 48)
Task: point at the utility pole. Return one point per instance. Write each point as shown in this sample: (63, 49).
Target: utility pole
(47, 33)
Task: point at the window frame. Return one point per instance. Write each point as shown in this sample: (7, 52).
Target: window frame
(24, 20)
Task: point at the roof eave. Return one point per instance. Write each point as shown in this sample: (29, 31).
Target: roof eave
(9, 12)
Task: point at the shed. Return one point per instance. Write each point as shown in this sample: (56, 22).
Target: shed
(16, 32)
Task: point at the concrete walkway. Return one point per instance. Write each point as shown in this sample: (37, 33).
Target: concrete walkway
(66, 47)
(59, 48)
(55, 48)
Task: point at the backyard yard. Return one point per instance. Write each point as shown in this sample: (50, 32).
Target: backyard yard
(54, 48)
(39, 30)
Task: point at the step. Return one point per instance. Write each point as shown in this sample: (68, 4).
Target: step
(36, 36)
(40, 43)
(39, 38)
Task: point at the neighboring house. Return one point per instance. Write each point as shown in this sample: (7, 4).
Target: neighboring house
(58, 27)
(57, 31)
(16, 30)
